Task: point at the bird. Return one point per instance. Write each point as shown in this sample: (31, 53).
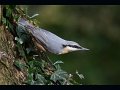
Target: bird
(47, 41)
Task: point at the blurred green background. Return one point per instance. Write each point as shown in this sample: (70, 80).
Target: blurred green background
(96, 27)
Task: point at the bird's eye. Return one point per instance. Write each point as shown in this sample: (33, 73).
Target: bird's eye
(76, 46)
(64, 45)
(73, 46)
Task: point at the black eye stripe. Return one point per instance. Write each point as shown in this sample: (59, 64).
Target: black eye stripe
(64, 45)
(74, 46)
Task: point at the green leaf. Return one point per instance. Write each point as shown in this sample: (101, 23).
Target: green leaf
(10, 26)
(34, 67)
(31, 63)
(80, 75)
(34, 63)
(29, 50)
(58, 67)
(12, 6)
(21, 32)
(31, 70)
(58, 62)
(59, 75)
(34, 16)
(8, 12)
(40, 80)
(4, 20)
(20, 49)
(19, 40)
(19, 64)
(30, 79)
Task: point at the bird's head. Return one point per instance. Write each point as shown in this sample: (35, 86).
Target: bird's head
(71, 46)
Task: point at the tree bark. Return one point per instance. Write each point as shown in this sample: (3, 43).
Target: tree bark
(9, 74)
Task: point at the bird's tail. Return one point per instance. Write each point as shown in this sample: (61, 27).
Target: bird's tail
(26, 25)
(23, 22)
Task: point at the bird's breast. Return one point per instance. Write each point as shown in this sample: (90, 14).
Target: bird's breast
(65, 50)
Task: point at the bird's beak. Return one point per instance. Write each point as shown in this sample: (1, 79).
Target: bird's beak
(84, 48)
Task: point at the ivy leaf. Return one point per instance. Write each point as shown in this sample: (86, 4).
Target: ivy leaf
(29, 50)
(20, 49)
(12, 6)
(58, 67)
(19, 40)
(4, 20)
(80, 75)
(58, 62)
(40, 80)
(9, 12)
(59, 75)
(19, 64)
(30, 79)
(34, 66)
(22, 33)
(34, 16)
(31, 64)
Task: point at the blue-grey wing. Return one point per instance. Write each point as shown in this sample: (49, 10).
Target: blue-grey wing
(50, 40)
(42, 34)
(47, 37)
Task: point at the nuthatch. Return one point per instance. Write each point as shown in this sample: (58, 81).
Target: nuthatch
(48, 41)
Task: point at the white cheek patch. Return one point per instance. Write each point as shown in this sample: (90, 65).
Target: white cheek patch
(75, 49)
(72, 49)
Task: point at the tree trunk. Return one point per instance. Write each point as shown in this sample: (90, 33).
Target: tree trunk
(9, 74)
